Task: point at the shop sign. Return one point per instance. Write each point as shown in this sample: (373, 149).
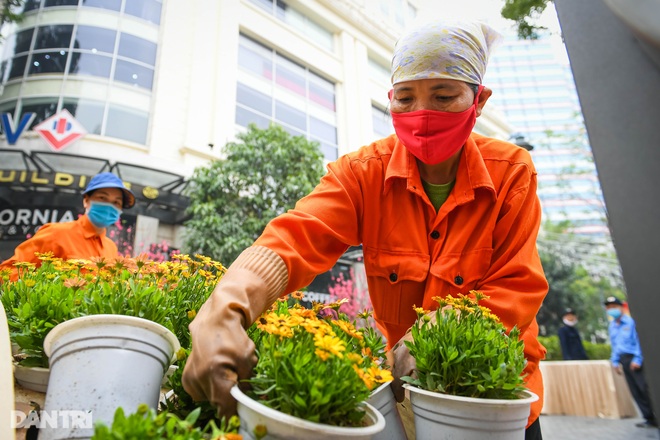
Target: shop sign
(18, 223)
(60, 130)
(11, 132)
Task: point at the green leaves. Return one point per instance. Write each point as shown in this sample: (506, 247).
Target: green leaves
(524, 12)
(262, 175)
(466, 352)
(145, 424)
(166, 293)
(313, 367)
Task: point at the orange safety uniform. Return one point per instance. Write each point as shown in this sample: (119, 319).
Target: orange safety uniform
(77, 239)
(482, 238)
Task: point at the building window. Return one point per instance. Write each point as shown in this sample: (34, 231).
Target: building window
(379, 72)
(88, 112)
(299, 21)
(90, 52)
(115, 121)
(148, 10)
(127, 123)
(279, 90)
(381, 122)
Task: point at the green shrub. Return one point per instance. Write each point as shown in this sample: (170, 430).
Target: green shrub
(597, 351)
(594, 351)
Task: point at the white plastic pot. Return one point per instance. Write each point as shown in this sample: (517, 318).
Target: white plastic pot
(382, 398)
(282, 426)
(443, 417)
(101, 362)
(32, 378)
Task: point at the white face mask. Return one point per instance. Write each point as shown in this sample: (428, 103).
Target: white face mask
(569, 323)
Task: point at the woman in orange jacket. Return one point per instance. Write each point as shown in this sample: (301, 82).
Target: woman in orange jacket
(103, 200)
(438, 210)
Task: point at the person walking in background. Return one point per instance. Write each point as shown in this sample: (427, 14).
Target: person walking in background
(569, 338)
(103, 200)
(627, 356)
(437, 208)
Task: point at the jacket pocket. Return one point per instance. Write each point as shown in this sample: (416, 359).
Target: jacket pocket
(396, 283)
(461, 272)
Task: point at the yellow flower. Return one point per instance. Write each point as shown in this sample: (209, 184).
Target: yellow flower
(368, 380)
(298, 295)
(181, 354)
(379, 375)
(46, 256)
(331, 344)
(348, 328)
(191, 314)
(30, 283)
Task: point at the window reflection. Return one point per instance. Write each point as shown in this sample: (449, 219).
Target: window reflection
(299, 21)
(381, 121)
(134, 74)
(254, 99)
(308, 93)
(251, 58)
(31, 5)
(89, 113)
(95, 39)
(43, 107)
(126, 123)
(137, 48)
(48, 62)
(51, 37)
(291, 79)
(23, 40)
(113, 5)
(148, 10)
(90, 64)
(290, 116)
(17, 69)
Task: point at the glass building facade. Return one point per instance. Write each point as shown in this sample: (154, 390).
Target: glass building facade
(533, 86)
(96, 59)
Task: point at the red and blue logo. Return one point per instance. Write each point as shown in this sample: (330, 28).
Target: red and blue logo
(60, 130)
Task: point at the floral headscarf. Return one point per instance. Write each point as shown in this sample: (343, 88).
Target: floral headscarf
(450, 50)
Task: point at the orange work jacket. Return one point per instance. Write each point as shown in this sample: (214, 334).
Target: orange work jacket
(77, 239)
(483, 237)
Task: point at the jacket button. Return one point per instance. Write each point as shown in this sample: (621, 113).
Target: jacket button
(435, 235)
(458, 280)
(393, 277)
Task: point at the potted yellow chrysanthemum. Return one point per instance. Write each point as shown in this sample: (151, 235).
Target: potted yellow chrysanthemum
(315, 372)
(468, 368)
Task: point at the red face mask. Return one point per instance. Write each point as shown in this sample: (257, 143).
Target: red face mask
(433, 136)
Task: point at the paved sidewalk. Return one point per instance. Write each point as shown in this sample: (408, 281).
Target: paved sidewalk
(587, 428)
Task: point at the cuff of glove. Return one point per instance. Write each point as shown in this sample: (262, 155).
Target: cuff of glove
(266, 265)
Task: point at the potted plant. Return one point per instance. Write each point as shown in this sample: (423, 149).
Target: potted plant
(146, 424)
(168, 293)
(469, 369)
(314, 373)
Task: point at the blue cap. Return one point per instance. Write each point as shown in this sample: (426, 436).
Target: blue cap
(109, 180)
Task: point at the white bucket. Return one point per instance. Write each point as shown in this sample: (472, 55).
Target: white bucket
(442, 417)
(32, 378)
(99, 363)
(282, 426)
(382, 398)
